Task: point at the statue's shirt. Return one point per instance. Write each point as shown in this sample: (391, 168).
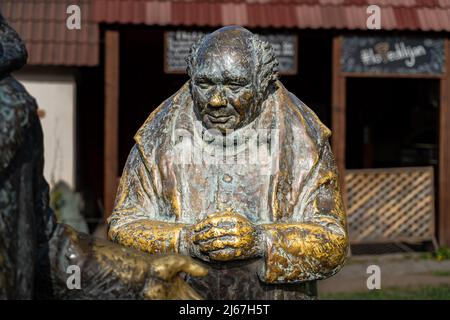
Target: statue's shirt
(278, 171)
(221, 173)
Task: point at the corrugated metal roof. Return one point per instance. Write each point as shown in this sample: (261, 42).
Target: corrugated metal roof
(429, 15)
(42, 26)
(42, 23)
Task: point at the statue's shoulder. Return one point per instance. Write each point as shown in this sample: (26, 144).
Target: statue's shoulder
(156, 130)
(298, 111)
(17, 108)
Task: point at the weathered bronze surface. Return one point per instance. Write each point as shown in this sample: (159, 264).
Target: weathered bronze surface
(236, 171)
(35, 251)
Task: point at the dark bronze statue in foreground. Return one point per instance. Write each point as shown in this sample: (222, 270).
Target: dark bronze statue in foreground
(238, 172)
(35, 251)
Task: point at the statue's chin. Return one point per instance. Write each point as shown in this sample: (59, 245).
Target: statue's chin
(219, 129)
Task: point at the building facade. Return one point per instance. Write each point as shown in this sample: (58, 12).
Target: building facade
(375, 72)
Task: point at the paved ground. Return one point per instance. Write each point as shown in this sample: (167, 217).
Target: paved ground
(397, 270)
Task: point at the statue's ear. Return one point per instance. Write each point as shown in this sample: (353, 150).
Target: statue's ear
(266, 64)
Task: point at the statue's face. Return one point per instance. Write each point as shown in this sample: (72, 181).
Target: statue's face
(223, 88)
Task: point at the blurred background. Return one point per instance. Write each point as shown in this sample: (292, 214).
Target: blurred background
(375, 72)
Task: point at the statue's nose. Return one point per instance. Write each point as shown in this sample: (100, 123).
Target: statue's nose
(217, 100)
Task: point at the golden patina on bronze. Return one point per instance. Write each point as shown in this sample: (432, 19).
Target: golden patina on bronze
(225, 236)
(235, 170)
(112, 271)
(149, 236)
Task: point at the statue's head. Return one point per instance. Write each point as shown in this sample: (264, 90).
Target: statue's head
(13, 54)
(231, 72)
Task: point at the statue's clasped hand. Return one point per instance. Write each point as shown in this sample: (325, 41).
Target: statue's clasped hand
(227, 236)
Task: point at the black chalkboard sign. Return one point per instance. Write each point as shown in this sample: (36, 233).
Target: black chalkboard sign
(178, 43)
(393, 55)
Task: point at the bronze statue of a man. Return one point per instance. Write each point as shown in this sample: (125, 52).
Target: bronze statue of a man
(238, 172)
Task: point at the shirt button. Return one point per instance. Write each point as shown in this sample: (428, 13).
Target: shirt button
(224, 198)
(227, 178)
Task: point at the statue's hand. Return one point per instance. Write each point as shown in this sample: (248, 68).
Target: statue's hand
(227, 236)
(172, 286)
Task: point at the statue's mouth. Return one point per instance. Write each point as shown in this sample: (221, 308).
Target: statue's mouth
(220, 119)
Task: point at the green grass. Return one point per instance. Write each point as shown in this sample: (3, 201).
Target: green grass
(441, 292)
(441, 273)
(443, 253)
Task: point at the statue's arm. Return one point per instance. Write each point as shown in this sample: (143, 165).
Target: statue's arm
(313, 244)
(136, 220)
(83, 267)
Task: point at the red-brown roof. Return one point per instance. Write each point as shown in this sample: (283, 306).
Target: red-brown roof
(42, 26)
(42, 23)
(427, 15)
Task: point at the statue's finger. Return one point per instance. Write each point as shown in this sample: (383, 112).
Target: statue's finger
(222, 243)
(194, 269)
(204, 224)
(219, 221)
(217, 232)
(225, 254)
(224, 220)
(167, 267)
(213, 232)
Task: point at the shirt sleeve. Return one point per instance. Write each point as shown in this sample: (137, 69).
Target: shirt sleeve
(137, 220)
(313, 243)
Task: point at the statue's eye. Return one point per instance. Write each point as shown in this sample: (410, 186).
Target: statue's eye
(204, 84)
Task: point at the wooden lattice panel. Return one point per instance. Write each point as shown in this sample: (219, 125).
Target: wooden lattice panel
(390, 205)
